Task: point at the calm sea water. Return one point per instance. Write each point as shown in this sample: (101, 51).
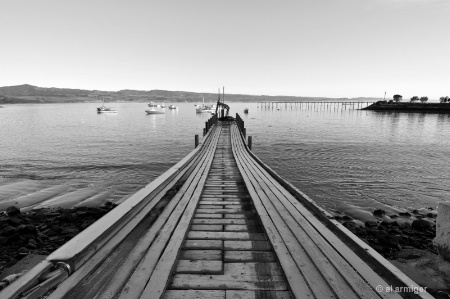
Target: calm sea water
(344, 159)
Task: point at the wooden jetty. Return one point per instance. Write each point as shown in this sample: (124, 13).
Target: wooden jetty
(313, 105)
(218, 224)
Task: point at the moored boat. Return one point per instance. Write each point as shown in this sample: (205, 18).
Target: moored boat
(172, 107)
(246, 110)
(104, 109)
(205, 108)
(155, 109)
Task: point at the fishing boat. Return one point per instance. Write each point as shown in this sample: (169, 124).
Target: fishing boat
(205, 108)
(104, 109)
(155, 109)
(172, 107)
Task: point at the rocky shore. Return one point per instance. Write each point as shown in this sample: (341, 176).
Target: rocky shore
(406, 240)
(42, 231)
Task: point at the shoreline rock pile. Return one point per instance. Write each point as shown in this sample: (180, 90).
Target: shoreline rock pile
(42, 231)
(388, 235)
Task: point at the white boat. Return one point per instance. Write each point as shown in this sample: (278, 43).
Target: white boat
(205, 108)
(163, 105)
(155, 109)
(172, 107)
(104, 109)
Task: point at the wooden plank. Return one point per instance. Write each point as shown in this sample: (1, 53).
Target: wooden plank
(224, 282)
(203, 244)
(101, 256)
(194, 294)
(234, 216)
(314, 245)
(236, 228)
(199, 267)
(221, 221)
(199, 227)
(296, 280)
(162, 266)
(247, 245)
(220, 211)
(239, 294)
(248, 256)
(207, 255)
(336, 249)
(251, 268)
(160, 276)
(226, 236)
(202, 206)
(208, 216)
(219, 202)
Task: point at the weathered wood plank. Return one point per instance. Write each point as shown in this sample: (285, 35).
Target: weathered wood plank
(208, 216)
(239, 294)
(194, 294)
(224, 282)
(344, 281)
(220, 211)
(296, 280)
(203, 244)
(247, 245)
(221, 221)
(248, 256)
(252, 268)
(216, 206)
(236, 228)
(226, 236)
(199, 227)
(207, 255)
(200, 267)
(219, 202)
(140, 284)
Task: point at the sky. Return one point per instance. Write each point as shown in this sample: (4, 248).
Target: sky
(314, 48)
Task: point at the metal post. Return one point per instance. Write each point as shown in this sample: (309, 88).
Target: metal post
(249, 142)
(196, 141)
(204, 132)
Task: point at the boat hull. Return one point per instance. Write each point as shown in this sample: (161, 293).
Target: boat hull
(154, 112)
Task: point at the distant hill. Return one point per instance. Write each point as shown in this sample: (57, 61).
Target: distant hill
(32, 94)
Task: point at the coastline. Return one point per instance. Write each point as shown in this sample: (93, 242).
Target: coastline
(410, 107)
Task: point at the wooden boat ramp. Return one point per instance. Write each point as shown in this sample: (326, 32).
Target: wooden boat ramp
(219, 224)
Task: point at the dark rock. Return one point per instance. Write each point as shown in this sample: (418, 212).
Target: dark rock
(67, 217)
(27, 229)
(379, 213)
(381, 233)
(12, 211)
(371, 224)
(405, 214)
(8, 231)
(350, 225)
(3, 240)
(31, 246)
(393, 216)
(347, 218)
(415, 211)
(430, 215)
(385, 223)
(420, 224)
(14, 221)
(338, 218)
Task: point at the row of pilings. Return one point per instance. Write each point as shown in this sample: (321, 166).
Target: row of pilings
(313, 105)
